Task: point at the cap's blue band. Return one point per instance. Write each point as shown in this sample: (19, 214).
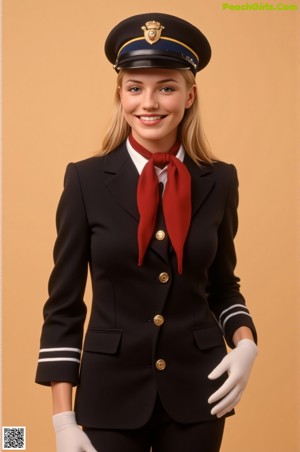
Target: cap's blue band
(163, 44)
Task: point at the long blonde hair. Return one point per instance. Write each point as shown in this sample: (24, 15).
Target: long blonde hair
(189, 132)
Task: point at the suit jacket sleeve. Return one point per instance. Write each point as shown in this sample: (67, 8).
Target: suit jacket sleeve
(224, 297)
(65, 311)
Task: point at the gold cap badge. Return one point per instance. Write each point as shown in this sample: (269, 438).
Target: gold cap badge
(152, 31)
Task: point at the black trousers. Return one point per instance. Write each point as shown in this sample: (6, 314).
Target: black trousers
(161, 433)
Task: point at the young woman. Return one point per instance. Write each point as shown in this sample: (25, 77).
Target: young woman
(154, 217)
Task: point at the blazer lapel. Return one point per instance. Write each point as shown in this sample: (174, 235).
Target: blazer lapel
(121, 178)
(202, 182)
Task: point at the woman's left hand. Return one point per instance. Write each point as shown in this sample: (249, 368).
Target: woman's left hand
(238, 363)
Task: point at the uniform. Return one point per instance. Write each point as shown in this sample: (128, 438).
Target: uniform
(153, 335)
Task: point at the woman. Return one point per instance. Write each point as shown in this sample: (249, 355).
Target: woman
(154, 217)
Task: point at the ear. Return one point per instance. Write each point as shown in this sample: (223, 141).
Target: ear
(191, 96)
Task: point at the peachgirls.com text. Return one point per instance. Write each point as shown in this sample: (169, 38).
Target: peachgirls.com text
(259, 7)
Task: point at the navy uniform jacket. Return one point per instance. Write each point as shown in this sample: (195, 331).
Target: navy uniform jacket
(151, 330)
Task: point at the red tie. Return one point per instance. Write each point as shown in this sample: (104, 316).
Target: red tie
(176, 200)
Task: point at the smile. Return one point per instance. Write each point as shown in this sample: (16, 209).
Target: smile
(151, 118)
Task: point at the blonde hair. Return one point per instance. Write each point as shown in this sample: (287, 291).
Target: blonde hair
(189, 132)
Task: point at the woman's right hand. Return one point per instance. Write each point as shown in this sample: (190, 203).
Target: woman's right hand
(69, 436)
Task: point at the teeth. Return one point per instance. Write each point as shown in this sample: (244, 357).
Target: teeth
(150, 118)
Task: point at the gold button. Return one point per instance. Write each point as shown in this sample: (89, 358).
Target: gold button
(158, 320)
(160, 235)
(160, 364)
(163, 277)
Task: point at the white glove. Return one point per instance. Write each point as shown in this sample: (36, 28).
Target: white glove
(69, 436)
(238, 363)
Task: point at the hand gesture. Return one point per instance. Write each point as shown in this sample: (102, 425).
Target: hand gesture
(238, 363)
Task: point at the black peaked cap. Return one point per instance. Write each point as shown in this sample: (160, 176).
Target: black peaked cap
(157, 40)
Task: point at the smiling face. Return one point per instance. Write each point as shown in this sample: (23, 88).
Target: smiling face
(153, 104)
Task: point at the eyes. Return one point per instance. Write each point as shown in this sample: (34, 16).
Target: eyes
(138, 89)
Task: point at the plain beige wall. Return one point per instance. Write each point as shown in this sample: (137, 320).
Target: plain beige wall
(56, 102)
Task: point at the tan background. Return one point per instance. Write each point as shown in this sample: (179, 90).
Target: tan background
(57, 98)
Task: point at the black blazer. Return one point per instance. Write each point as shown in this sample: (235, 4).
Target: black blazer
(150, 330)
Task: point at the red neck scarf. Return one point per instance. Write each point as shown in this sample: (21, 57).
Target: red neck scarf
(176, 200)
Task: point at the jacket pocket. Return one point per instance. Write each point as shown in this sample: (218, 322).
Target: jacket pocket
(103, 341)
(207, 338)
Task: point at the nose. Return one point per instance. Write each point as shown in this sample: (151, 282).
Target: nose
(149, 101)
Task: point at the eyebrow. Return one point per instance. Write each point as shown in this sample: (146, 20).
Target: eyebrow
(168, 80)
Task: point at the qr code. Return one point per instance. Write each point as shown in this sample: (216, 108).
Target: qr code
(13, 438)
